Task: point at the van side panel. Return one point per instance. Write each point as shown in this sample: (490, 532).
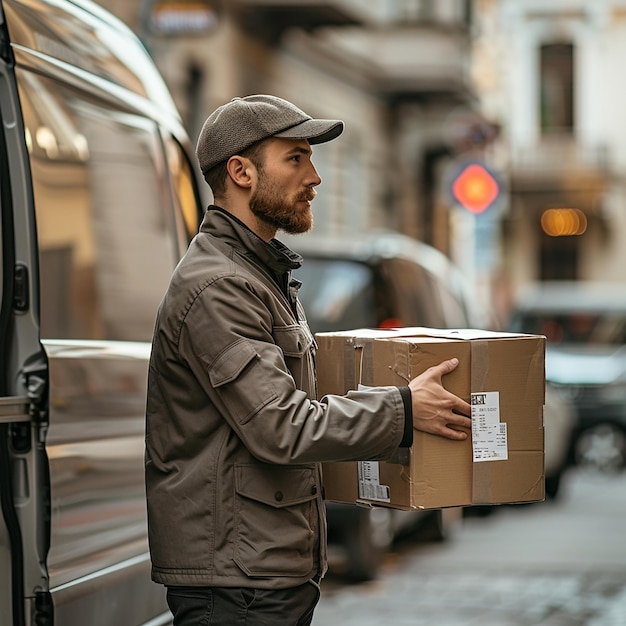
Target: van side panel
(99, 563)
(100, 161)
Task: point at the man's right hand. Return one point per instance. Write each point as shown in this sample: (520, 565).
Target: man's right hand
(435, 409)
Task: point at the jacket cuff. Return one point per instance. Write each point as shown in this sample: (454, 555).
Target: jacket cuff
(407, 437)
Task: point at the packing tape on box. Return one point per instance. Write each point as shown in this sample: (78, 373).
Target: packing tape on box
(482, 472)
(358, 364)
(349, 365)
(367, 364)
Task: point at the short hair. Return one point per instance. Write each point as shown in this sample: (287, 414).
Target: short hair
(216, 176)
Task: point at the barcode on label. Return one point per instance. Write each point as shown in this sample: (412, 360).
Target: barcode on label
(369, 483)
(369, 491)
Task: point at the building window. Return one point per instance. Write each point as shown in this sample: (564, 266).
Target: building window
(559, 258)
(194, 91)
(557, 88)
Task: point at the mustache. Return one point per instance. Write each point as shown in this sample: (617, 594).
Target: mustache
(308, 195)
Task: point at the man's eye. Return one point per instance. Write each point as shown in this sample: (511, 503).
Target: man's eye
(296, 158)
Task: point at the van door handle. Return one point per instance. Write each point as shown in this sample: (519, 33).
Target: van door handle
(14, 409)
(21, 285)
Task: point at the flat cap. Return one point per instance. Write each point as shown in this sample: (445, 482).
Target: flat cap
(238, 124)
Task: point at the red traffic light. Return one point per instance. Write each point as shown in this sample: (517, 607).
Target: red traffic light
(475, 188)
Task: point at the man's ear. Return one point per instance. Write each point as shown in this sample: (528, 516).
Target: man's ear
(241, 171)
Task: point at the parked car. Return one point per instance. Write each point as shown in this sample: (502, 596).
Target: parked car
(99, 201)
(378, 280)
(585, 325)
(559, 422)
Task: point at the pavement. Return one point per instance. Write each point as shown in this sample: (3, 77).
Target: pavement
(548, 564)
(487, 599)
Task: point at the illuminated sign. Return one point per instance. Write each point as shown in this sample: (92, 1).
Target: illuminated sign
(563, 222)
(475, 188)
(182, 18)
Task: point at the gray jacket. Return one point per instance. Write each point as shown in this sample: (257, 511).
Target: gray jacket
(234, 433)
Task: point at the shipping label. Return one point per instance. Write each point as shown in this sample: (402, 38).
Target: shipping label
(489, 435)
(369, 483)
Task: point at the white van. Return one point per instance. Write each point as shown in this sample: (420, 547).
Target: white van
(99, 200)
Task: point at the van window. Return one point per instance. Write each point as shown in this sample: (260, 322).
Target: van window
(185, 191)
(103, 207)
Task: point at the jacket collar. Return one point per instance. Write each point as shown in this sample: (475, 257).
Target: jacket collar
(275, 254)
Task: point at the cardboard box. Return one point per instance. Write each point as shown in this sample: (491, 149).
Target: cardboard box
(501, 374)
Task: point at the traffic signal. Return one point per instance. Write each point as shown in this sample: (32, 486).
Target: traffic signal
(475, 188)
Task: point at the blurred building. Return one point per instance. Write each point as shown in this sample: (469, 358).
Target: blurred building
(397, 72)
(549, 71)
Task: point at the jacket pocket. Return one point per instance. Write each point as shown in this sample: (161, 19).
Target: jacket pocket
(238, 376)
(276, 520)
(297, 345)
(294, 340)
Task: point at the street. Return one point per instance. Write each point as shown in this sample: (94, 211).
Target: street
(557, 563)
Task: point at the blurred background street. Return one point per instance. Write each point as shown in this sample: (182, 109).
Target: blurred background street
(480, 183)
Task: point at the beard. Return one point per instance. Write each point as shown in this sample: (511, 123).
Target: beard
(281, 213)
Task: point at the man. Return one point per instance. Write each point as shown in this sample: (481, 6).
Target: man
(235, 435)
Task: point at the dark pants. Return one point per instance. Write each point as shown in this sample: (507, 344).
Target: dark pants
(220, 606)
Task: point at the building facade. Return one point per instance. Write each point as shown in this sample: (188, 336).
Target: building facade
(548, 72)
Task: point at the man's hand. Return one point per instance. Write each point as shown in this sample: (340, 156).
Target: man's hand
(436, 410)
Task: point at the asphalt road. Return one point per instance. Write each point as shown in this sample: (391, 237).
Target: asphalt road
(557, 563)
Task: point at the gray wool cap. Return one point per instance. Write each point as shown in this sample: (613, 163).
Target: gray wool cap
(238, 124)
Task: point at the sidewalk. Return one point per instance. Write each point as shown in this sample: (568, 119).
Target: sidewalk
(409, 598)
(549, 564)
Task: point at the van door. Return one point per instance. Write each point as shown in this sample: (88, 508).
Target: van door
(24, 484)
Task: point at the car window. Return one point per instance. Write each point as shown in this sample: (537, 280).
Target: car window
(413, 293)
(573, 327)
(337, 295)
(104, 215)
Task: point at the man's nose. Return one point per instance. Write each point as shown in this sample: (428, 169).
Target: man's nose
(315, 178)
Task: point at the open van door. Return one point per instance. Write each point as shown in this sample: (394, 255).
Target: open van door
(24, 483)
